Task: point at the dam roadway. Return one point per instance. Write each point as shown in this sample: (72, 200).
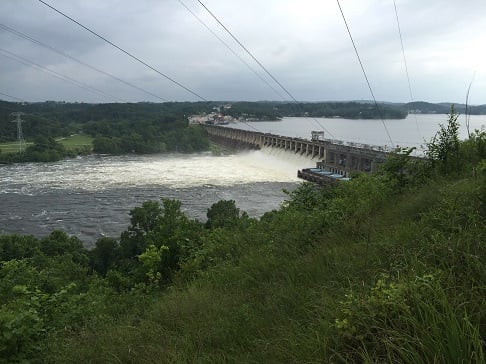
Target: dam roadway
(336, 156)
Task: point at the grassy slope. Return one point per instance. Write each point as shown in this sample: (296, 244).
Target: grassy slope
(71, 143)
(77, 141)
(11, 147)
(293, 275)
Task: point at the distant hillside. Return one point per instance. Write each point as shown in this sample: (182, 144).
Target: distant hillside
(348, 110)
(442, 108)
(55, 119)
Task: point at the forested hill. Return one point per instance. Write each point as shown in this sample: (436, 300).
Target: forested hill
(112, 128)
(53, 119)
(442, 108)
(347, 110)
(56, 119)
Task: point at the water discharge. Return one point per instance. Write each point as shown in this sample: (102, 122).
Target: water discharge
(91, 196)
(96, 173)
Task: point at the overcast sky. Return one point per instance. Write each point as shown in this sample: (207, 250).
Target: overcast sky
(303, 43)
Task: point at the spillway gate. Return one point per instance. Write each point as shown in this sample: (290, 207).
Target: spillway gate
(334, 155)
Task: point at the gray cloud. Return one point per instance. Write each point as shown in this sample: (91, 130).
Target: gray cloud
(303, 43)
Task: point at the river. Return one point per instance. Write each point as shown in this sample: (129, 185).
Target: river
(91, 197)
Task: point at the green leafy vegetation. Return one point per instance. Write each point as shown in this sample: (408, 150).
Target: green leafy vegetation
(443, 108)
(102, 128)
(389, 267)
(45, 149)
(75, 144)
(349, 110)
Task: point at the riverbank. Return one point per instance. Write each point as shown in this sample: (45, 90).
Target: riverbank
(72, 143)
(366, 272)
(45, 149)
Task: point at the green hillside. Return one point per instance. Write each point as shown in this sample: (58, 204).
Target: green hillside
(386, 268)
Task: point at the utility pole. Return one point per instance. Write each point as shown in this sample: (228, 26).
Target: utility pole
(20, 136)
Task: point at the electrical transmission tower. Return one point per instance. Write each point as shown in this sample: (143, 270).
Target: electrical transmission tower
(20, 136)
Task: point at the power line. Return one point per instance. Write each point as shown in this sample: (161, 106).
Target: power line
(230, 49)
(364, 72)
(124, 51)
(33, 40)
(55, 74)
(406, 67)
(403, 51)
(248, 52)
(259, 63)
(12, 97)
(30, 63)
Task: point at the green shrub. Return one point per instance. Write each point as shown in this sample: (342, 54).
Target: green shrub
(21, 326)
(407, 320)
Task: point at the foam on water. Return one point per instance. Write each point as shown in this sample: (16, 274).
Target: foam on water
(96, 173)
(91, 196)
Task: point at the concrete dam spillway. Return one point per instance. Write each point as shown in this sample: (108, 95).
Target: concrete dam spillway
(335, 156)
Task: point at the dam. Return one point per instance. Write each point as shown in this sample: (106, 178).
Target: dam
(338, 157)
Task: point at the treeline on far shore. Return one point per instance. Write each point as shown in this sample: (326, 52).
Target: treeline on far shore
(61, 119)
(55, 119)
(188, 139)
(147, 120)
(110, 128)
(120, 128)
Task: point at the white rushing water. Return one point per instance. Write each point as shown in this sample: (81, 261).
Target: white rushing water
(91, 196)
(95, 173)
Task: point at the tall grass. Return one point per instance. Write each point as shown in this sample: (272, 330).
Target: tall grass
(296, 288)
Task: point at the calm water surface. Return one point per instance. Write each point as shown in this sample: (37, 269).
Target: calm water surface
(412, 131)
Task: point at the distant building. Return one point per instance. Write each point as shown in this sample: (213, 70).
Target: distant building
(211, 118)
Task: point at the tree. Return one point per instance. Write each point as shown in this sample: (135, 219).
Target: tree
(44, 149)
(104, 255)
(401, 168)
(106, 145)
(157, 229)
(143, 220)
(59, 243)
(223, 213)
(443, 150)
(18, 247)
